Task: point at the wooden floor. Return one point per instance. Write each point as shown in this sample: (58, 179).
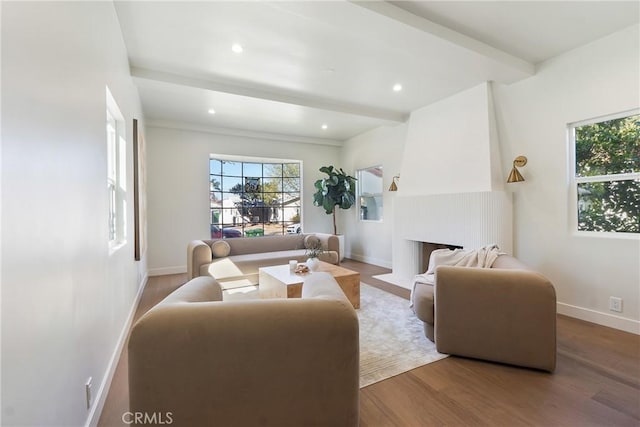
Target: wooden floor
(596, 383)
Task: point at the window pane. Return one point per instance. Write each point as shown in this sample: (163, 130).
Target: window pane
(215, 166)
(608, 147)
(232, 184)
(215, 182)
(215, 198)
(232, 168)
(291, 169)
(291, 184)
(273, 170)
(272, 185)
(252, 169)
(216, 216)
(609, 206)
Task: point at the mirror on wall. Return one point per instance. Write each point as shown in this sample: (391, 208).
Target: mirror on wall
(370, 193)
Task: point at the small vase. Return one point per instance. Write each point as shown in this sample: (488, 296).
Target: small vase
(313, 264)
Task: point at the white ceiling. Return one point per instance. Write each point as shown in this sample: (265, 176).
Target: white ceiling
(309, 63)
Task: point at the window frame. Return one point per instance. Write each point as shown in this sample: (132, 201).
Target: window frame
(575, 181)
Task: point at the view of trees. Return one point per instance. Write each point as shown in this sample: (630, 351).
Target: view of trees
(607, 156)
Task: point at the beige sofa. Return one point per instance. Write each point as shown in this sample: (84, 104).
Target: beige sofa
(506, 313)
(235, 262)
(277, 362)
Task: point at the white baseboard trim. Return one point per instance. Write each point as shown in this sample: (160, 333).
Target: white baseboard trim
(162, 271)
(101, 396)
(369, 260)
(597, 317)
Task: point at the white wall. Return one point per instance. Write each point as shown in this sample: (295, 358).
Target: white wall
(65, 301)
(369, 241)
(450, 147)
(178, 186)
(594, 80)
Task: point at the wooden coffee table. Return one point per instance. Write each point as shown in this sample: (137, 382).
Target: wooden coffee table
(279, 282)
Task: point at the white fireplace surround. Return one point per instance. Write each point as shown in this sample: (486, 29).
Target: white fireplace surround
(470, 220)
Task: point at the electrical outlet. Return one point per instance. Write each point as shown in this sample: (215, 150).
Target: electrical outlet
(615, 304)
(87, 389)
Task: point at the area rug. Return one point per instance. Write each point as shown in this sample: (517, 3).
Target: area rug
(392, 339)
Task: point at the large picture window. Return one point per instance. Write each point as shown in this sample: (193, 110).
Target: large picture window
(606, 173)
(254, 198)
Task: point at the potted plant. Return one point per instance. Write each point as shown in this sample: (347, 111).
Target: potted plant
(336, 190)
(313, 252)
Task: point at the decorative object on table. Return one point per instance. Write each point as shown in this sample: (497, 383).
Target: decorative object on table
(313, 247)
(515, 175)
(302, 269)
(336, 190)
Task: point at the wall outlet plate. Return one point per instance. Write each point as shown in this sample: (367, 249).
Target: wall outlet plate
(615, 304)
(87, 389)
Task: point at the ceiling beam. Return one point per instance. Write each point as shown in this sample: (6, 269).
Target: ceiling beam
(271, 94)
(407, 18)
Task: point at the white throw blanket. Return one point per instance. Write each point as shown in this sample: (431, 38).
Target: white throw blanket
(481, 258)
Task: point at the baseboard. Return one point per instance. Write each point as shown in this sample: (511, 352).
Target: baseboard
(369, 260)
(103, 391)
(162, 271)
(599, 318)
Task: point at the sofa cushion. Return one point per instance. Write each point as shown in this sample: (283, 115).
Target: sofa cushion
(220, 249)
(252, 245)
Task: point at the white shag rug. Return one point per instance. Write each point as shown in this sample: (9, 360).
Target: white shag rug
(392, 338)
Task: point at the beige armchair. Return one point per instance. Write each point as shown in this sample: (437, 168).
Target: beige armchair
(278, 362)
(504, 314)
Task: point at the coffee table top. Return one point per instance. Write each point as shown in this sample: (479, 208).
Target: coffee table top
(286, 276)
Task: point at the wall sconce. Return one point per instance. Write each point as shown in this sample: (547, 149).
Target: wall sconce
(515, 175)
(394, 186)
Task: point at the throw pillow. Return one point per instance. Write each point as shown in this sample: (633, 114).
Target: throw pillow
(311, 241)
(220, 249)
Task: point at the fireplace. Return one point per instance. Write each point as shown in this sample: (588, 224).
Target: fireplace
(425, 253)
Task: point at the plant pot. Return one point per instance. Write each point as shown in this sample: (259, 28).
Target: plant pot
(313, 264)
(341, 245)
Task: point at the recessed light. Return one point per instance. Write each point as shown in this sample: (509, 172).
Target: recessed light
(237, 48)
(324, 126)
(397, 87)
(211, 111)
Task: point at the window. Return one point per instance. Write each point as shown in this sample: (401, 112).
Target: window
(116, 173)
(254, 198)
(370, 193)
(606, 173)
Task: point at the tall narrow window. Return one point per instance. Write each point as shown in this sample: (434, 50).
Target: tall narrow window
(116, 173)
(370, 193)
(254, 197)
(606, 173)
